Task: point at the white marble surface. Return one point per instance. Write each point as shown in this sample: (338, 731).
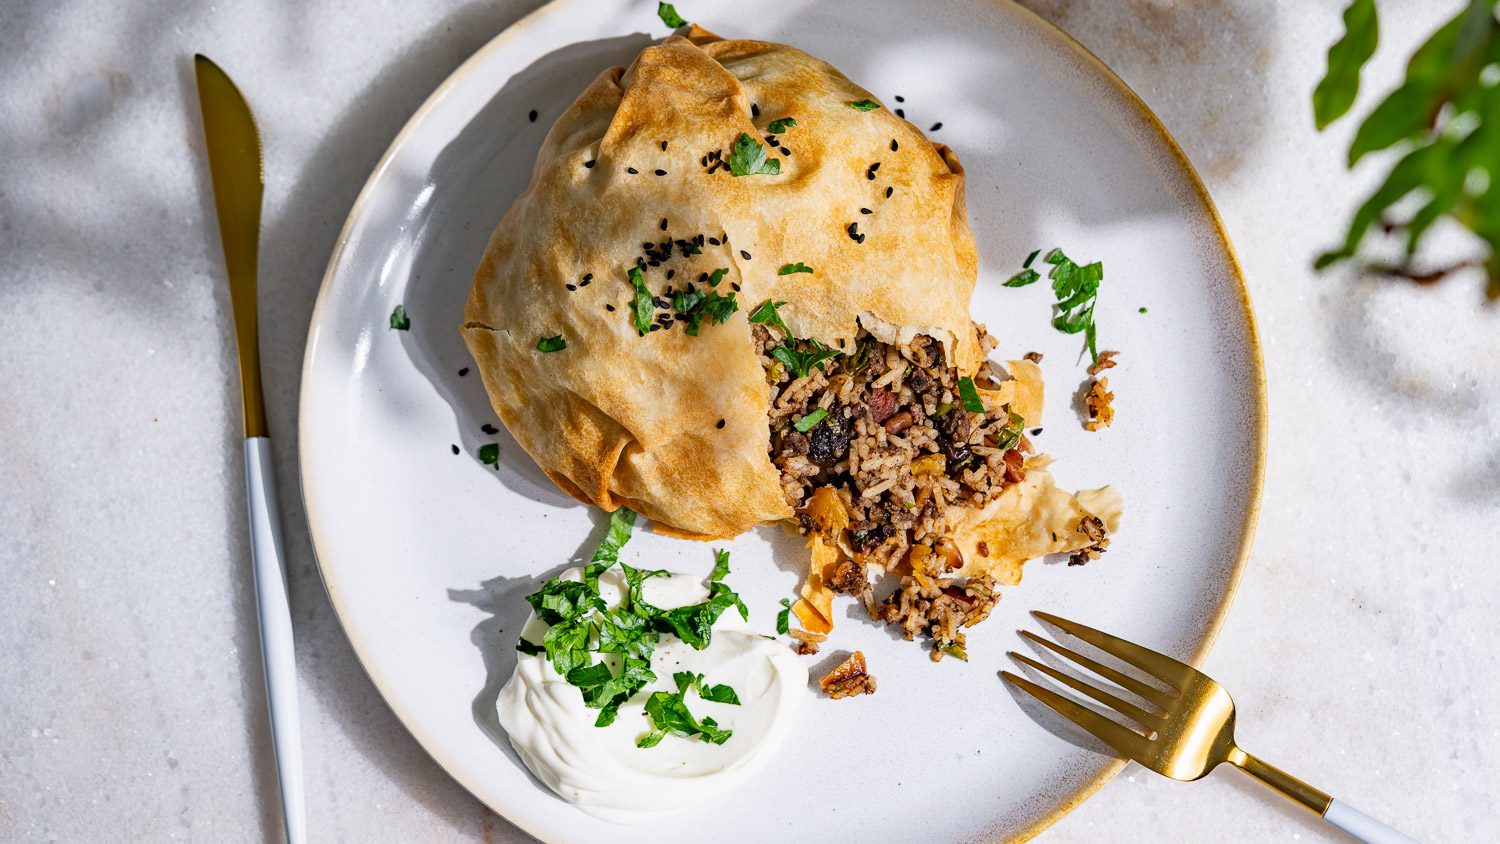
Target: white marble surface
(1362, 649)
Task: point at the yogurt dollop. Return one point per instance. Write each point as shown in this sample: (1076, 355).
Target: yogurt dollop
(600, 769)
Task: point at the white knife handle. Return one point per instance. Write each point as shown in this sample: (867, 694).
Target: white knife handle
(272, 601)
(1362, 826)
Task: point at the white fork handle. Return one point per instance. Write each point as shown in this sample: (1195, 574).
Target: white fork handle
(273, 604)
(1362, 826)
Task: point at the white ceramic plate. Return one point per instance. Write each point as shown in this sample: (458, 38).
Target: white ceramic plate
(426, 555)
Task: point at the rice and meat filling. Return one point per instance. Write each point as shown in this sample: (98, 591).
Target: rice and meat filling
(892, 457)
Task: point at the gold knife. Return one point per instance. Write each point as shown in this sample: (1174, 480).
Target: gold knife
(234, 161)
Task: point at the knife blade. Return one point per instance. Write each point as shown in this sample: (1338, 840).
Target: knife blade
(237, 174)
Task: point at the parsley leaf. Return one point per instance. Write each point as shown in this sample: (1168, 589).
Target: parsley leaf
(1026, 264)
(864, 105)
(551, 344)
(800, 356)
(399, 320)
(697, 306)
(717, 276)
(489, 455)
(668, 14)
(1010, 435)
(807, 422)
(1076, 289)
(621, 524)
(1023, 278)
(721, 565)
(779, 126)
(969, 395)
(644, 305)
(669, 714)
(798, 267)
(748, 158)
(784, 618)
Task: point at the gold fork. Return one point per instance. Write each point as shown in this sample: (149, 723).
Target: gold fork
(1183, 731)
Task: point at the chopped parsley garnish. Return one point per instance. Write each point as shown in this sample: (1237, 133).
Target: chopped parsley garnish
(808, 422)
(644, 305)
(669, 713)
(695, 306)
(399, 320)
(489, 455)
(551, 344)
(800, 356)
(717, 276)
(943, 409)
(1029, 258)
(1143, 310)
(779, 126)
(784, 618)
(864, 105)
(799, 267)
(953, 649)
(580, 625)
(1076, 289)
(969, 395)
(748, 158)
(668, 14)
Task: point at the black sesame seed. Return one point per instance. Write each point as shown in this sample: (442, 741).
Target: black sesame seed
(532, 116)
(663, 223)
(455, 451)
(703, 276)
(860, 239)
(587, 277)
(724, 236)
(714, 241)
(771, 139)
(755, 110)
(936, 126)
(585, 283)
(610, 308)
(900, 113)
(653, 263)
(894, 146)
(719, 424)
(660, 172)
(663, 146)
(571, 287)
(870, 174)
(1036, 432)
(631, 170)
(671, 273)
(853, 229)
(888, 192)
(744, 254)
(900, 99)
(656, 328)
(698, 239)
(489, 429)
(866, 211)
(875, 166)
(463, 372)
(589, 164)
(735, 286)
(785, 151)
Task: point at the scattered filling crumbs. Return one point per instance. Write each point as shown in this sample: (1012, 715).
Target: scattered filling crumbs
(1034, 357)
(807, 645)
(849, 679)
(1093, 528)
(1097, 404)
(1106, 361)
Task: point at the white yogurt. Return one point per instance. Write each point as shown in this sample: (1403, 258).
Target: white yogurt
(600, 770)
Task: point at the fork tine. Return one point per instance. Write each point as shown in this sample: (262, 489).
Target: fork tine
(1129, 710)
(1161, 666)
(1119, 678)
(1125, 741)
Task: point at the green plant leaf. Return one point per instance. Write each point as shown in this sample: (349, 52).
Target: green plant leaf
(1346, 58)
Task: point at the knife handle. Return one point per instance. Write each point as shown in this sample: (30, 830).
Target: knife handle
(273, 605)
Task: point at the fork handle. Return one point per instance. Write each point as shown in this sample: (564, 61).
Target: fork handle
(1357, 824)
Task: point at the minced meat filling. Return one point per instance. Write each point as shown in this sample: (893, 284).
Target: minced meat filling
(900, 451)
